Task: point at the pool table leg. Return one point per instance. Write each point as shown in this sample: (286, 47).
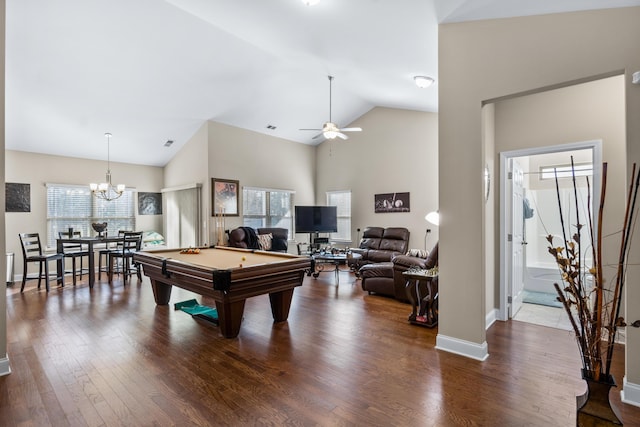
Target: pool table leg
(161, 292)
(280, 304)
(230, 317)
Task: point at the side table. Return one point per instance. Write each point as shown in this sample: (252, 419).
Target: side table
(422, 292)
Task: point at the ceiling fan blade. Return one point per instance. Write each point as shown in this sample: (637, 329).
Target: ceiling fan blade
(342, 135)
(317, 130)
(318, 135)
(351, 130)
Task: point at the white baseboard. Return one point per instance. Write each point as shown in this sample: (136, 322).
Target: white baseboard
(463, 348)
(491, 318)
(630, 393)
(5, 369)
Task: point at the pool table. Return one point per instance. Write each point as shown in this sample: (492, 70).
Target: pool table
(229, 276)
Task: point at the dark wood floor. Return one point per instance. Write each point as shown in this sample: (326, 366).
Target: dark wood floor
(111, 357)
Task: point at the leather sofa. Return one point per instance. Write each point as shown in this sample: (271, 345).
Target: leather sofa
(378, 247)
(380, 244)
(241, 237)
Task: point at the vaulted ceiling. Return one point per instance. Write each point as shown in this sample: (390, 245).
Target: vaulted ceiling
(149, 71)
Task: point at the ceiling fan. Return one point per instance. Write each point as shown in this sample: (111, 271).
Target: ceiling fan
(329, 129)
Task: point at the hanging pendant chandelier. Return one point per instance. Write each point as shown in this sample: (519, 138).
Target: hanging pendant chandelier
(106, 190)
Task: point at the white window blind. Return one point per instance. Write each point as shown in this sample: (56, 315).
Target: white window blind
(267, 208)
(73, 206)
(182, 224)
(342, 201)
(565, 171)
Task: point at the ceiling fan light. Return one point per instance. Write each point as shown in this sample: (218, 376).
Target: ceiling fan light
(330, 134)
(423, 81)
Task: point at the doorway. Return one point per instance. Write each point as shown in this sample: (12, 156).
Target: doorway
(530, 204)
(534, 197)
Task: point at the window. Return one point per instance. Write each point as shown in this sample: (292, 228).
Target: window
(564, 171)
(341, 199)
(267, 208)
(73, 206)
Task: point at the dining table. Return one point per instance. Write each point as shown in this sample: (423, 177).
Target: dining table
(90, 242)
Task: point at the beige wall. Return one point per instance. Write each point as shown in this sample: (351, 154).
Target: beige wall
(190, 166)
(485, 60)
(397, 151)
(39, 169)
(254, 159)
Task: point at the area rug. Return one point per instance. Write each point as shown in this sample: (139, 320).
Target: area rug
(541, 298)
(198, 311)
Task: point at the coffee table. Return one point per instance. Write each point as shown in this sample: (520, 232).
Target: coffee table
(320, 260)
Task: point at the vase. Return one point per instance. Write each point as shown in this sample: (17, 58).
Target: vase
(594, 407)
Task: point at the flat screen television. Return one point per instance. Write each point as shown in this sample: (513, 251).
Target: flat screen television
(316, 219)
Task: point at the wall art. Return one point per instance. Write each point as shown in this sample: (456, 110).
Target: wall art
(391, 202)
(225, 197)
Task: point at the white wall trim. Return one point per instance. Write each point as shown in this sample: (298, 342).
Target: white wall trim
(463, 348)
(491, 318)
(630, 393)
(5, 369)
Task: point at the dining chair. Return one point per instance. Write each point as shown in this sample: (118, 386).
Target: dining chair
(131, 242)
(74, 251)
(32, 253)
(104, 252)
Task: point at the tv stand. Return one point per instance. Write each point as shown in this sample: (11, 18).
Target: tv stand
(315, 242)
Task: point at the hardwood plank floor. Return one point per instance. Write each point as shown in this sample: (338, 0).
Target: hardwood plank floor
(111, 357)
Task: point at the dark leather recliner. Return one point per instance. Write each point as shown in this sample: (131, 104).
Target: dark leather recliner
(385, 278)
(402, 263)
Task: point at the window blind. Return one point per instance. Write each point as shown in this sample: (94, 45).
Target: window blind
(73, 206)
(342, 201)
(267, 208)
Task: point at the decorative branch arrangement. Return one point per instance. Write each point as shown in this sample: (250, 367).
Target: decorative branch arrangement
(593, 310)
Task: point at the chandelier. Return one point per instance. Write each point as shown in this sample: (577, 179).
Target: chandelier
(106, 190)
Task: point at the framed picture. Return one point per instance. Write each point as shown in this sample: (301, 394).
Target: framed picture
(17, 197)
(149, 203)
(225, 197)
(391, 202)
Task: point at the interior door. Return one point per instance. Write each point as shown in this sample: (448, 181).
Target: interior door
(517, 238)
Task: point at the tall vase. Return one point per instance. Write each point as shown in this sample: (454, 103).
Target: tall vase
(594, 408)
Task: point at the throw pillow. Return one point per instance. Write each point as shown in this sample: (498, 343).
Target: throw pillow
(264, 241)
(419, 253)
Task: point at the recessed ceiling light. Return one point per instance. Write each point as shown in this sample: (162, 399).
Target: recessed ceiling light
(310, 2)
(423, 81)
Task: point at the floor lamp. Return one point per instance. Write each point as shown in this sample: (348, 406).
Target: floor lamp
(433, 218)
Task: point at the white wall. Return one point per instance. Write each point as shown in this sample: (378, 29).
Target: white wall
(39, 169)
(4, 358)
(397, 151)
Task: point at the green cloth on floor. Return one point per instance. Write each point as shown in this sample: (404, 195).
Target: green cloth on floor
(199, 311)
(541, 298)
